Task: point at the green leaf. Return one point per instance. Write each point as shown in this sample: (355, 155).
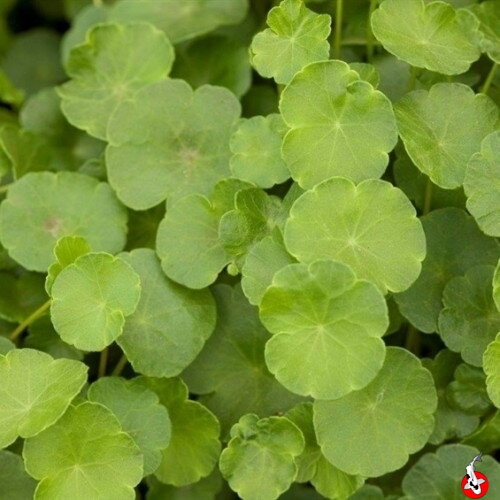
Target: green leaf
(327, 328)
(66, 251)
(15, 484)
(35, 391)
(469, 320)
(263, 449)
(168, 142)
(91, 298)
(84, 455)
(340, 125)
(296, 37)
(140, 414)
(366, 72)
(488, 14)
(487, 436)
(433, 36)
(194, 444)
(230, 373)
(171, 323)
(372, 227)
(443, 470)
(110, 67)
(496, 285)
(263, 260)
(9, 94)
(6, 345)
(42, 207)
(491, 366)
(433, 127)
(454, 245)
(482, 185)
(313, 466)
(256, 148)
(373, 431)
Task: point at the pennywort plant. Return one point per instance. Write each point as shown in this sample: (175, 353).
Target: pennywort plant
(248, 248)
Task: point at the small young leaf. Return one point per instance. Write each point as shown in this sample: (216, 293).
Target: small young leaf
(263, 449)
(114, 62)
(84, 455)
(371, 227)
(105, 288)
(15, 484)
(340, 125)
(139, 413)
(296, 37)
(433, 36)
(327, 328)
(394, 412)
(35, 391)
(42, 207)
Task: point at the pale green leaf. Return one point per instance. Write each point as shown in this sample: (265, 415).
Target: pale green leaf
(15, 484)
(263, 449)
(140, 414)
(35, 391)
(340, 125)
(482, 185)
(469, 320)
(491, 366)
(296, 37)
(91, 298)
(327, 328)
(171, 323)
(230, 373)
(256, 148)
(367, 72)
(6, 345)
(168, 142)
(454, 245)
(488, 14)
(373, 431)
(114, 62)
(84, 455)
(434, 36)
(496, 285)
(371, 227)
(441, 129)
(194, 444)
(42, 207)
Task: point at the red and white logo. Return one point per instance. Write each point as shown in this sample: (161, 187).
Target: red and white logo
(474, 484)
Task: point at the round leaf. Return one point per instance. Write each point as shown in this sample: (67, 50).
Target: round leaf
(433, 36)
(169, 141)
(84, 455)
(139, 413)
(296, 37)
(482, 185)
(263, 449)
(441, 129)
(488, 14)
(469, 320)
(373, 431)
(15, 484)
(109, 67)
(171, 323)
(491, 366)
(454, 245)
(42, 207)
(340, 125)
(35, 391)
(327, 328)
(91, 298)
(371, 227)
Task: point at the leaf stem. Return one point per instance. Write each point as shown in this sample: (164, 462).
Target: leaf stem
(427, 197)
(338, 29)
(120, 365)
(32, 317)
(103, 361)
(412, 343)
(489, 79)
(370, 39)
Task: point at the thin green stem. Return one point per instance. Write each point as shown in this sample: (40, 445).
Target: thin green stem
(120, 365)
(489, 79)
(412, 339)
(103, 361)
(4, 188)
(427, 197)
(27, 322)
(370, 39)
(337, 44)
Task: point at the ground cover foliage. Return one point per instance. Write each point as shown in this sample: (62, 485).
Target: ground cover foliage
(248, 248)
